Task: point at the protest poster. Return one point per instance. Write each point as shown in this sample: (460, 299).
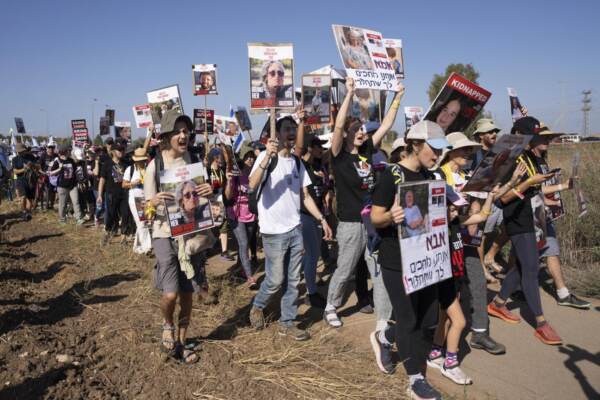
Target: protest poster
(365, 58)
(497, 164)
(581, 201)
(515, 105)
(227, 126)
(368, 105)
(539, 220)
(202, 117)
(243, 119)
(555, 207)
(271, 75)
(80, 132)
(104, 126)
(412, 115)
(393, 47)
(471, 235)
(457, 104)
(316, 99)
(123, 130)
(163, 100)
(187, 212)
(140, 206)
(110, 114)
(423, 235)
(142, 115)
(205, 79)
(20, 125)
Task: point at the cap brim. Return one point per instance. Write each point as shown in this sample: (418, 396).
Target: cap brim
(439, 144)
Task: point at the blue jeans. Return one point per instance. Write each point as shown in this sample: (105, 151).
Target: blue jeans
(283, 257)
(311, 233)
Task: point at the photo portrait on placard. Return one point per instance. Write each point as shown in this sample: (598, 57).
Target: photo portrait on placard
(271, 75)
(163, 100)
(353, 48)
(205, 79)
(104, 126)
(393, 47)
(201, 117)
(123, 130)
(316, 98)
(366, 105)
(515, 104)
(415, 201)
(20, 125)
(110, 115)
(412, 115)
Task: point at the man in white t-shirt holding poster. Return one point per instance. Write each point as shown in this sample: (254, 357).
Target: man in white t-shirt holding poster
(280, 182)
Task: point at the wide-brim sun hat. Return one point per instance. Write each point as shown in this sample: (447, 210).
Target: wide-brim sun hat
(430, 132)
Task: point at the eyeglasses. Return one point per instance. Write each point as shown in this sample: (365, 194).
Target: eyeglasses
(189, 195)
(279, 73)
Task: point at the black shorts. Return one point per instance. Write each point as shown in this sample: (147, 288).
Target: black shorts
(24, 189)
(448, 291)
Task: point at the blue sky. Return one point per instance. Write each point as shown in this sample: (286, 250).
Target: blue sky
(59, 55)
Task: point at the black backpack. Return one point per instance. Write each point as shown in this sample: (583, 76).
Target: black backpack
(254, 196)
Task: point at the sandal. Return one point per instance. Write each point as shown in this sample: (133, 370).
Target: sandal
(186, 354)
(490, 278)
(168, 346)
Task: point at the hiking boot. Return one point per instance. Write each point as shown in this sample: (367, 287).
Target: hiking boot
(422, 390)
(456, 375)
(383, 354)
(503, 313)
(316, 300)
(547, 334)
(483, 341)
(257, 318)
(293, 332)
(573, 301)
(331, 317)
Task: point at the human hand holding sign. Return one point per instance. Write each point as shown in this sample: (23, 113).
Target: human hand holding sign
(204, 190)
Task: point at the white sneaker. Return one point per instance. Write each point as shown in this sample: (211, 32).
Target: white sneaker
(331, 317)
(436, 363)
(456, 375)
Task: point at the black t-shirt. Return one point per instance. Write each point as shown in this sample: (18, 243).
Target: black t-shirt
(354, 181)
(46, 161)
(316, 188)
(113, 175)
(66, 176)
(457, 256)
(384, 195)
(20, 160)
(518, 214)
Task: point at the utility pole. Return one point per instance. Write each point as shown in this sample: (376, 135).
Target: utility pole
(587, 100)
(93, 112)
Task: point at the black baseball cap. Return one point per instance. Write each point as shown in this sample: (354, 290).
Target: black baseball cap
(526, 126)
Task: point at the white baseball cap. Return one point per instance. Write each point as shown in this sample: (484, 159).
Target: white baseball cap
(398, 144)
(430, 132)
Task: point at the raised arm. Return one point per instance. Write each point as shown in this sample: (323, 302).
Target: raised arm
(390, 117)
(300, 134)
(337, 140)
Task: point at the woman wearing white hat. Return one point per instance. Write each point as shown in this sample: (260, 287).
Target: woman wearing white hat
(133, 180)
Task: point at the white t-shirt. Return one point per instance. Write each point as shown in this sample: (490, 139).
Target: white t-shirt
(137, 191)
(279, 203)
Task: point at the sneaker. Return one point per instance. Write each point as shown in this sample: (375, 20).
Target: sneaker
(293, 332)
(503, 313)
(316, 300)
(483, 341)
(547, 334)
(227, 257)
(456, 375)
(251, 283)
(422, 390)
(383, 354)
(80, 221)
(24, 216)
(367, 309)
(435, 359)
(257, 318)
(28, 216)
(331, 317)
(573, 301)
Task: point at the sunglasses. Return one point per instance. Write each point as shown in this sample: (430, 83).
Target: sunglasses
(189, 195)
(279, 73)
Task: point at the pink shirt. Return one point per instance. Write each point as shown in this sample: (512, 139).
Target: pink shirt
(239, 211)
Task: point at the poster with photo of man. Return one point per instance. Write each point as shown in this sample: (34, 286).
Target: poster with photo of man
(365, 58)
(104, 126)
(163, 100)
(205, 79)
(20, 125)
(316, 98)
(457, 104)
(393, 47)
(187, 212)
(123, 130)
(423, 234)
(516, 109)
(202, 117)
(271, 75)
(243, 119)
(412, 115)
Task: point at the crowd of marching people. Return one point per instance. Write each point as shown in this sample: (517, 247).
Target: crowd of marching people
(292, 195)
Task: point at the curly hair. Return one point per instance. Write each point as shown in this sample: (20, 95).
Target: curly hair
(179, 190)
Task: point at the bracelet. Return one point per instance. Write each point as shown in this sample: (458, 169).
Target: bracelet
(529, 181)
(518, 194)
(486, 212)
(261, 167)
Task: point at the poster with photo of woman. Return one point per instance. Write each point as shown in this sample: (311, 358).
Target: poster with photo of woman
(271, 75)
(205, 79)
(393, 47)
(457, 104)
(516, 109)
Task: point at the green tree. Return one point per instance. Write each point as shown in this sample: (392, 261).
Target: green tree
(466, 70)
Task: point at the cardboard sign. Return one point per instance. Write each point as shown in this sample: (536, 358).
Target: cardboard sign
(142, 115)
(316, 99)
(80, 132)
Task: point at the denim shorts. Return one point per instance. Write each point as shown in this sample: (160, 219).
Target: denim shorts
(552, 248)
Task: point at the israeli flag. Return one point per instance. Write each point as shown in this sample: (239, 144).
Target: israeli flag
(237, 144)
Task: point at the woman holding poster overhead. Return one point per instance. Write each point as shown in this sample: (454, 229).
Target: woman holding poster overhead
(424, 144)
(352, 157)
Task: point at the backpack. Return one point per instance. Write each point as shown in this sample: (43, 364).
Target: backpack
(254, 195)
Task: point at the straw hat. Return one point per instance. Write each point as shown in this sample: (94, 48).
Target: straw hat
(458, 140)
(139, 154)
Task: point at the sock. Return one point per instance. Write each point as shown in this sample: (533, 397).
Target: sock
(382, 339)
(413, 378)
(499, 303)
(478, 330)
(451, 359)
(436, 351)
(329, 307)
(540, 323)
(562, 293)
